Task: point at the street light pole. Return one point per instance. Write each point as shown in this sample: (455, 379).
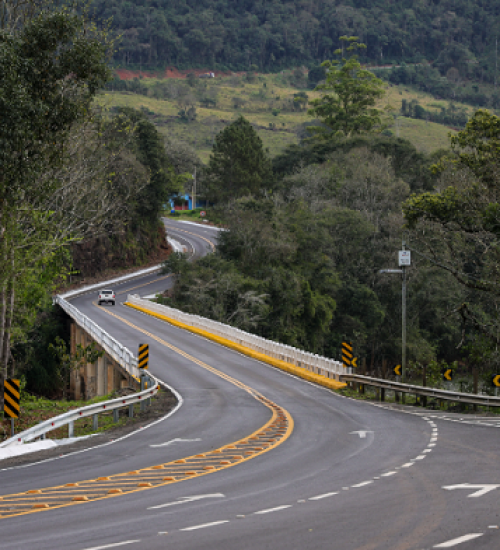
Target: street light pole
(403, 321)
(404, 260)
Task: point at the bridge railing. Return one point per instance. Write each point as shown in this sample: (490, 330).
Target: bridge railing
(310, 361)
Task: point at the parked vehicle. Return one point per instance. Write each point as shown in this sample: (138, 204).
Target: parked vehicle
(107, 296)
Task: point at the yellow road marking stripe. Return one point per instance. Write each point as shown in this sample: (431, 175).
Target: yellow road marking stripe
(143, 284)
(283, 365)
(280, 426)
(195, 235)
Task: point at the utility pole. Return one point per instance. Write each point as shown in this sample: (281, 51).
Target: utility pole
(194, 190)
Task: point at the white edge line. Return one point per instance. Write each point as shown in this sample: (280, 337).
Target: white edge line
(203, 525)
(459, 540)
(387, 474)
(114, 545)
(180, 402)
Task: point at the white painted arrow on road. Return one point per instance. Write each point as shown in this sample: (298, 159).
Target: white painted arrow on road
(483, 489)
(361, 433)
(185, 500)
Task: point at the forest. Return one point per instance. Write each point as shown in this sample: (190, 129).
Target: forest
(275, 34)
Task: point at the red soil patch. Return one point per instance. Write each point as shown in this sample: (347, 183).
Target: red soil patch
(169, 72)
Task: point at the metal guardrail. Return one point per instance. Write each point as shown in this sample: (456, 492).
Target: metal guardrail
(425, 391)
(117, 351)
(70, 417)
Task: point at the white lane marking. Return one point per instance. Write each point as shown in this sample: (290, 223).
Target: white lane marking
(269, 510)
(388, 474)
(185, 500)
(203, 525)
(428, 451)
(326, 495)
(408, 464)
(459, 540)
(362, 484)
(421, 457)
(172, 441)
(114, 545)
(361, 433)
(483, 489)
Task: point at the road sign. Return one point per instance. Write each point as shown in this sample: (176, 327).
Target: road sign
(11, 397)
(448, 375)
(353, 362)
(346, 354)
(496, 380)
(397, 370)
(404, 258)
(143, 357)
(479, 490)
(203, 213)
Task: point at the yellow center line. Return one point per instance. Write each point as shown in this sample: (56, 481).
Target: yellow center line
(144, 284)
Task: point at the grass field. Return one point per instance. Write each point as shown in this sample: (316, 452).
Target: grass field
(267, 102)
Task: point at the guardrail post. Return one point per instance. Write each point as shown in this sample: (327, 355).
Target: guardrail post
(71, 429)
(116, 415)
(95, 421)
(143, 387)
(131, 411)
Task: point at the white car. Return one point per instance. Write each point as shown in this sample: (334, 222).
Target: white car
(107, 296)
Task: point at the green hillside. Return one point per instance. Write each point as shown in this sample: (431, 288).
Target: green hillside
(268, 101)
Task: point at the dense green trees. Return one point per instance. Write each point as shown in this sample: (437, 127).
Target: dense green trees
(284, 33)
(50, 70)
(300, 266)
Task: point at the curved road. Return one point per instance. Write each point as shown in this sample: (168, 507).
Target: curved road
(343, 474)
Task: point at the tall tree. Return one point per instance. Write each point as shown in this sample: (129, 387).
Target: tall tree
(238, 164)
(50, 70)
(348, 106)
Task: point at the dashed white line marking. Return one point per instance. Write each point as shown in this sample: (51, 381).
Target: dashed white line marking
(459, 540)
(428, 451)
(326, 495)
(269, 510)
(203, 525)
(114, 545)
(421, 457)
(408, 464)
(362, 484)
(387, 474)
(185, 500)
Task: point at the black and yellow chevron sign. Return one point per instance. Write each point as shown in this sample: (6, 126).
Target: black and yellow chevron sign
(496, 380)
(448, 375)
(11, 398)
(143, 357)
(397, 370)
(346, 354)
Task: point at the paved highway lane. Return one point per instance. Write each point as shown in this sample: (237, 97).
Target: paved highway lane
(351, 475)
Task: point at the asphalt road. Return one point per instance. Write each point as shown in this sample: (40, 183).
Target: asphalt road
(350, 476)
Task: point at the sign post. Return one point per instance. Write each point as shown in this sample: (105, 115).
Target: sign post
(404, 257)
(11, 400)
